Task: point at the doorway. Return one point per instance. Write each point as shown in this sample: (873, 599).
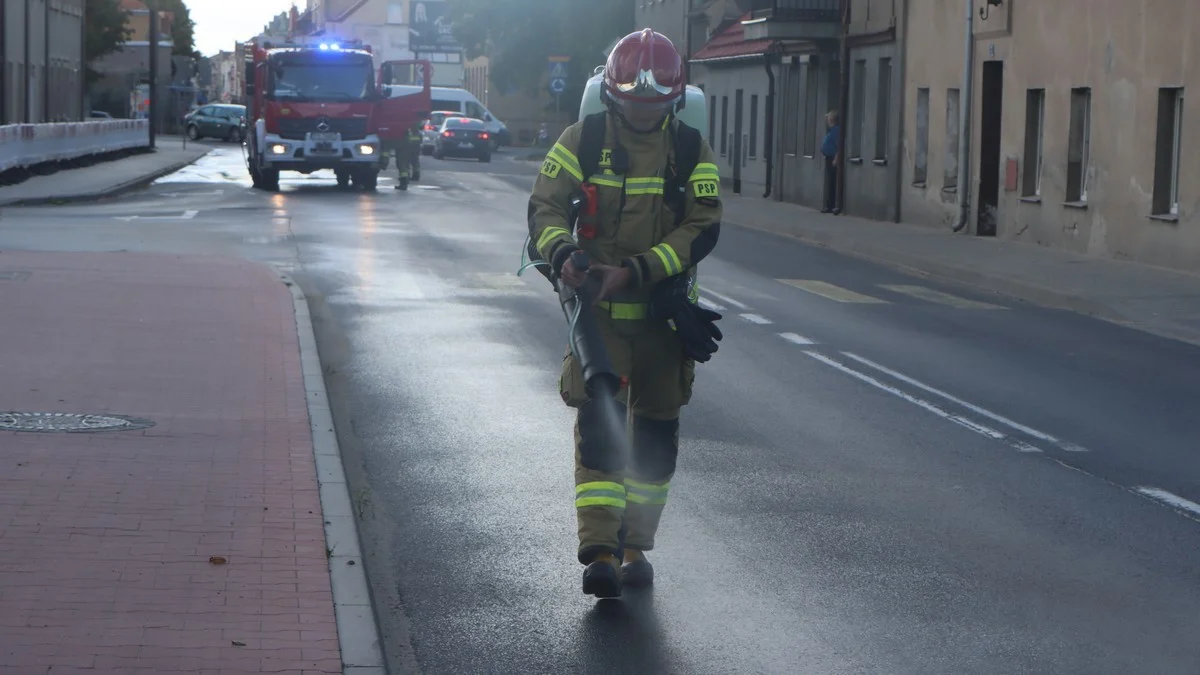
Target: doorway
(735, 157)
(991, 119)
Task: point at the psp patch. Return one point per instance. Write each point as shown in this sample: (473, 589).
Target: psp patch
(550, 168)
(707, 188)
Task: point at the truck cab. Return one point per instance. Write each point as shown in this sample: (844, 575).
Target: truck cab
(314, 106)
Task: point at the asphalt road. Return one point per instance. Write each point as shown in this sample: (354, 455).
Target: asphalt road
(878, 474)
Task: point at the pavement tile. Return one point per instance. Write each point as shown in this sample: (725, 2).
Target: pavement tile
(113, 531)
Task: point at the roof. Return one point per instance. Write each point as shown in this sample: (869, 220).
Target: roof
(731, 43)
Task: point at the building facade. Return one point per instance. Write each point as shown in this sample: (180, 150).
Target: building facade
(396, 30)
(736, 76)
(41, 61)
(1080, 142)
(124, 70)
(866, 98)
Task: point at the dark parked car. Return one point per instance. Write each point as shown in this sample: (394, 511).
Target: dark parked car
(218, 120)
(463, 137)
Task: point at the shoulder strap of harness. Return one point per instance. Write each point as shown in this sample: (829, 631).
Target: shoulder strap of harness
(687, 156)
(591, 143)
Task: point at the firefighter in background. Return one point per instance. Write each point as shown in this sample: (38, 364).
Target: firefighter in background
(408, 157)
(649, 230)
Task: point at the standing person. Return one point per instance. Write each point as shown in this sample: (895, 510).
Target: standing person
(647, 219)
(407, 151)
(414, 150)
(831, 149)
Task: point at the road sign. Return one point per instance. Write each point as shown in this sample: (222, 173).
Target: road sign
(558, 73)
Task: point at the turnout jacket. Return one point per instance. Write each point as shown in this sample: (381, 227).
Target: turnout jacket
(635, 226)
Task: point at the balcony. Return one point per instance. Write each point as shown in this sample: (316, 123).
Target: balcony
(810, 20)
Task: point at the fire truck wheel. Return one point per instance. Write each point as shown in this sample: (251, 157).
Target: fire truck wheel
(270, 179)
(369, 180)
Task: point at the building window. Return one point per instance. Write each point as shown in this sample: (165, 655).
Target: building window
(883, 109)
(950, 180)
(814, 127)
(921, 161)
(1035, 117)
(791, 115)
(753, 145)
(724, 125)
(857, 106)
(1166, 152)
(712, 121)
(1078, 142)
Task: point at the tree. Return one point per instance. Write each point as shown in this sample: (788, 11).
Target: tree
(183, 29)
(106, 32)
(519, 36)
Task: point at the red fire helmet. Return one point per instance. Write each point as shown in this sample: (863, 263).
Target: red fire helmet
(644, 68)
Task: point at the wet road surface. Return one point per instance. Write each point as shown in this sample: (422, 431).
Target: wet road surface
(878, 474)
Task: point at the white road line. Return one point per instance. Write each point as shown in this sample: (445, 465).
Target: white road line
(709, 304)
(1040, 435)
(796, 339)
(1170, 499)
(724, 298)
(957, 419)
(760, 320)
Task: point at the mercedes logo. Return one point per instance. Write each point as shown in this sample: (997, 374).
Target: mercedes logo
(323, 124)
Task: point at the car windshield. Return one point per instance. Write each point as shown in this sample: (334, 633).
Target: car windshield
(463, 123)
(342, 80)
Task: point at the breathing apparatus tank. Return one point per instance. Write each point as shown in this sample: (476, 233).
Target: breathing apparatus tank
(693, 113)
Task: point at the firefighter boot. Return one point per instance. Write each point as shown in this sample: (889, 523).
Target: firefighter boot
(637, 571)
(602, 577)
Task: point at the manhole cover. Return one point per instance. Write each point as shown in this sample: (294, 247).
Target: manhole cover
(69, 422)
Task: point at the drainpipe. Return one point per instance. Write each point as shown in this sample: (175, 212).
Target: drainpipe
(843, 106)
(3, 63)
(46, 116)
(769, 125)
(902, 118)
(27, 89)
(964, 120)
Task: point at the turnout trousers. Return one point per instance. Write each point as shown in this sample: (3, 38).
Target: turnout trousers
(624, 466)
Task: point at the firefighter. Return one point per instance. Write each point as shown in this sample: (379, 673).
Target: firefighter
(649, 228)
(414, 150)
(408, 153)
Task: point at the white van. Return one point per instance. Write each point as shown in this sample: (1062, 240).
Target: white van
(461, 101)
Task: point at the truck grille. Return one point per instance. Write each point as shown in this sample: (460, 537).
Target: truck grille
(351, 129)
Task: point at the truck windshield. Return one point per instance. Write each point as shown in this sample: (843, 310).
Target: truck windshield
(322, 81)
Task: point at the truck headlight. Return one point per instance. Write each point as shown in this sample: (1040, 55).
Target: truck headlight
(279, 149)
(366, 149)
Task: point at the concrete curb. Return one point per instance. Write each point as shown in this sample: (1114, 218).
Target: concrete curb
(358, 629)
(128, 186)
(982, 282)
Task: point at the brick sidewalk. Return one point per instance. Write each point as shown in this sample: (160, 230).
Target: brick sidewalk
(107, 539)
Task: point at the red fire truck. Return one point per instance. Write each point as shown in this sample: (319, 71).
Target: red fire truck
(318, 104)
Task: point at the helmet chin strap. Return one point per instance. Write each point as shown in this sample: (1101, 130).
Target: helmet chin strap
(653, 128)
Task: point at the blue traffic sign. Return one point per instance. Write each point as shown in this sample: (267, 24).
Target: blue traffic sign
(558, 73)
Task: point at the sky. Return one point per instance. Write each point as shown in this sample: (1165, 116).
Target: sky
(220, 23)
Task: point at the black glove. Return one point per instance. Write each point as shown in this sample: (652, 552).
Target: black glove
(697, 328)
(695, 325)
